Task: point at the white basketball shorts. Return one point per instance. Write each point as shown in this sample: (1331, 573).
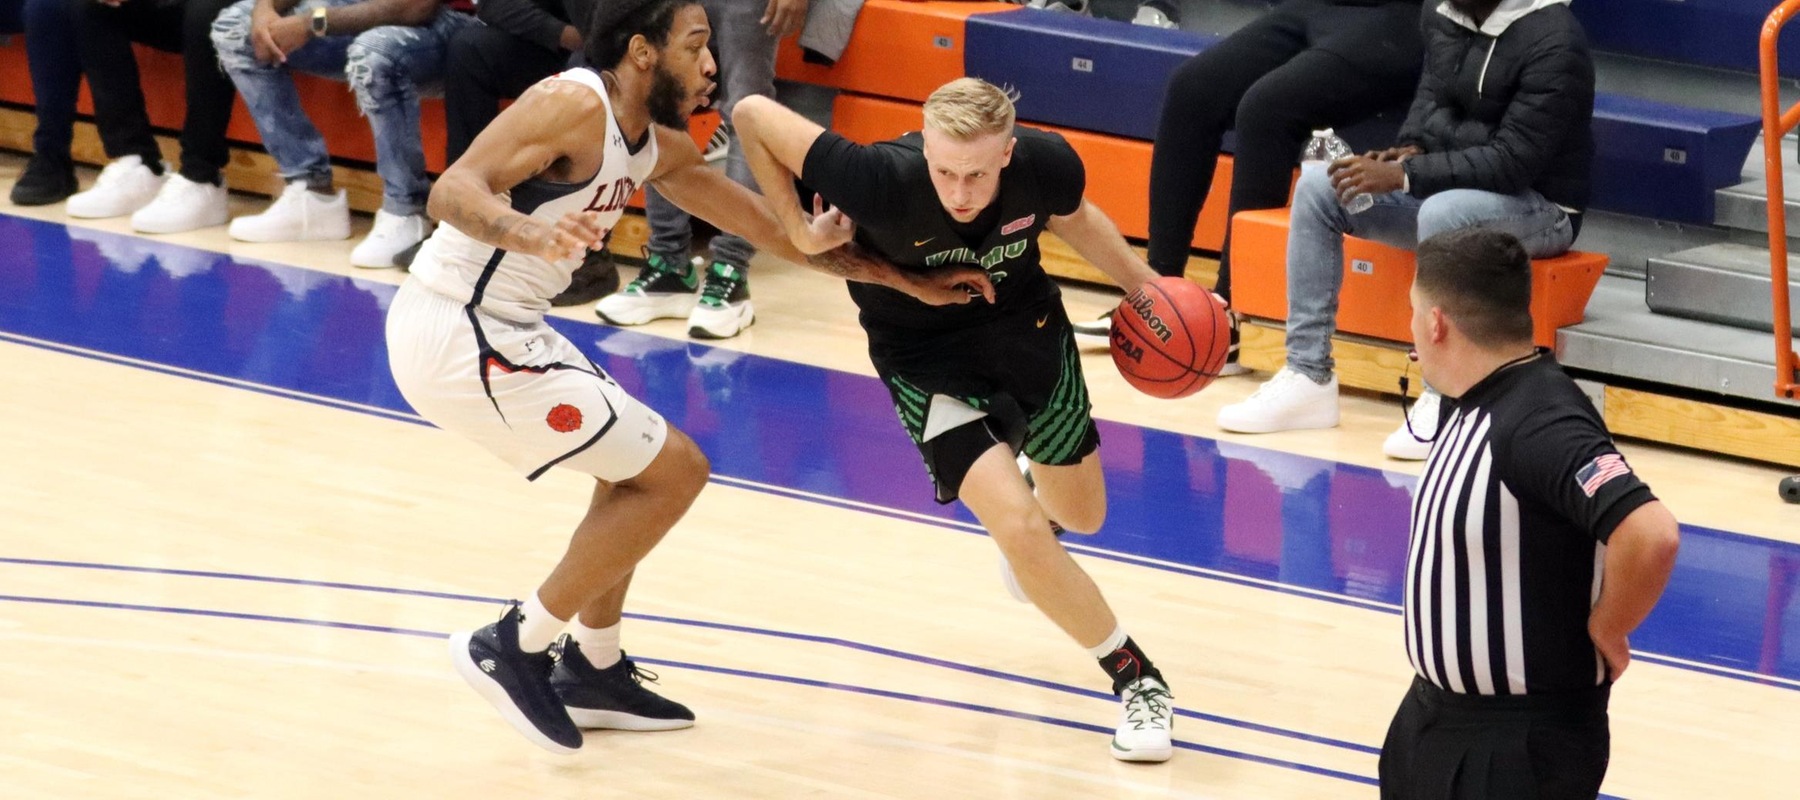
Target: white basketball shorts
(521, 390)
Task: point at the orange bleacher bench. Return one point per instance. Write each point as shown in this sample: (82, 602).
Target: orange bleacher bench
(1118, 169)
(1377, 278)
(899, 48)
(329, 103)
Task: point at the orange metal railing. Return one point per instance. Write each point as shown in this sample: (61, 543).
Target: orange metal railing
(1776, 124)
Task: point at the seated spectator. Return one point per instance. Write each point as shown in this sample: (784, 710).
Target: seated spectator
(390, 52)
(522, 42)
(55, 68)
(1304, 65)
(1499, 136)
(744, 36)
(134, 182)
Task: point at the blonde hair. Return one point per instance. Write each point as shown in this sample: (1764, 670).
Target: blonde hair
(969, 108)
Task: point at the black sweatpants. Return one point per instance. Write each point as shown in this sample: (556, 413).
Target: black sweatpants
(103, 36)
(1445, 746)
(1306, 64)
(487, 65)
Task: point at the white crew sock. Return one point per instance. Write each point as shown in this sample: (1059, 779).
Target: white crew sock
(599, 645)
(538, 627)
(1113, 642)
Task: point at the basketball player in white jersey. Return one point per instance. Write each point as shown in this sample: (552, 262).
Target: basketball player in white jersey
(470, 350)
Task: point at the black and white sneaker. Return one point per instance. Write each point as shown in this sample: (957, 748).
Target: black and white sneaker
(1232, 367)
(514, 682)
(615, 697)
(1146, 722)
(1096, 333)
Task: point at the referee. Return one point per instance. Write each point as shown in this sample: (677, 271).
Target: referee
(1534, 550)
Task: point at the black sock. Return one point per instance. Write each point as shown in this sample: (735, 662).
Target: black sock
(1127, 664)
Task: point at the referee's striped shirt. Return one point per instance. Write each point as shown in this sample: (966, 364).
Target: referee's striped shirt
(1509, 527)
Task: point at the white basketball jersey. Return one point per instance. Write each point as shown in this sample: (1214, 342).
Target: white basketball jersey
(516, 286)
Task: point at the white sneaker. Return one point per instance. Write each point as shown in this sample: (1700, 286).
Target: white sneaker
(388, 237)
(724, 308)
(718, 146)
(1146, 722)
(183, 205)
(1096, 333)
(123, 187)
(1289, 401)
(298, 215)
(1153, 17)
(1423, 420)
(663, 289)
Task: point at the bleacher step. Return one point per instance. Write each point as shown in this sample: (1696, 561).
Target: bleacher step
(1622, 337)
(1745, 206)
(1723, 283)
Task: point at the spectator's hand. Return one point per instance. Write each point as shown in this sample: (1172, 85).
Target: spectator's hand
(1615, 648)
(949, 286)
(1394, 153)
(784, 17)
(1354, 175)
(572, 236)
(279, 37)
(571, 39)
(827, 230)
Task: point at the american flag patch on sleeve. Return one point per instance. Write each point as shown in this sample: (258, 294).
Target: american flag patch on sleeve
(1599, 471)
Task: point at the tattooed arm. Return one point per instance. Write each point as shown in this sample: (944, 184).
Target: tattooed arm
(550, 129)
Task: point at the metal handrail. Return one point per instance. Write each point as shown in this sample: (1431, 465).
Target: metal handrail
(1776, 124)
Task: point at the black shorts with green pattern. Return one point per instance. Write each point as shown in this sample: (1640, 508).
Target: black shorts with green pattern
(1015, 381)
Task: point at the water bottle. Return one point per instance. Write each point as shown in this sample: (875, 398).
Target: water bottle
(1326, 146)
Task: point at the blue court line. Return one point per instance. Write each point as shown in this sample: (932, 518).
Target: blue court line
(807, 682)
(1244, 514)
(789, 635)
(899, 514)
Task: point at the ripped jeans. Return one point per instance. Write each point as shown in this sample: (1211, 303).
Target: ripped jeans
(389, 68)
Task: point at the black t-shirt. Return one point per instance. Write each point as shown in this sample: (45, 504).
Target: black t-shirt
(886, 188)
(1518, 498)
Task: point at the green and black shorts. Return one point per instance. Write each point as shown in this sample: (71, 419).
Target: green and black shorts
(1015, 380)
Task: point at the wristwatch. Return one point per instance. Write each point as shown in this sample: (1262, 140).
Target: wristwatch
(318, 22)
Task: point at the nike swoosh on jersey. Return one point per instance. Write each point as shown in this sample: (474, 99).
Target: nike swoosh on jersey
(1042, 321)
(923, 242)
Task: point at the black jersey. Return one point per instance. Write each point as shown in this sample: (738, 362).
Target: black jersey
(1509, 529)
(886, 188)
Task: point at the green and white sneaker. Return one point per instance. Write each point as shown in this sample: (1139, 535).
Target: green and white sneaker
(1146, 721)
(724, 307)
(663, 289)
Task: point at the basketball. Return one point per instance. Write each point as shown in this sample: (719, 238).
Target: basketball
(1170, 338)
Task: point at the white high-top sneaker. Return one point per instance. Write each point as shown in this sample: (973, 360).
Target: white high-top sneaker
(1146, 722)
(298, 215)
(124, 186)
(1423, 420)
(1289, 401)
(391, 234)
(183, 205)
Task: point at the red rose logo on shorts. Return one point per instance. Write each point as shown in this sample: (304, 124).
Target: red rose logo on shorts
(563, 418)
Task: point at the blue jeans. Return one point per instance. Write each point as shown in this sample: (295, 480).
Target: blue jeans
(1318, 225)
(55, 75)
(389, 68)
(746, 67)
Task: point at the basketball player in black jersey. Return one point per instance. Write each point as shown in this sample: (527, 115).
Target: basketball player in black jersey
(976, 384)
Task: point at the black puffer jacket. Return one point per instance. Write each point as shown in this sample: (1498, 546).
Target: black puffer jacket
(1505, 108)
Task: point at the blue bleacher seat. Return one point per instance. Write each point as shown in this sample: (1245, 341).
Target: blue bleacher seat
(1652, 159)
(1664, 161)
(1710, 33)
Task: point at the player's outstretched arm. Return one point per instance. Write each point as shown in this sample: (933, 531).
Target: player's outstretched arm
(1098, 240)
(548, 122)
(683, 177)
(775, 142)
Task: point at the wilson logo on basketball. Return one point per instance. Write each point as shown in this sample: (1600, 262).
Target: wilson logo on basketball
(1145, 308)
(563, 418)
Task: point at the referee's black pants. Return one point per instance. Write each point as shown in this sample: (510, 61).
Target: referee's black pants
(1445, 746)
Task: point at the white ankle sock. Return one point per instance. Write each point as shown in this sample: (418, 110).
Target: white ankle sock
(599, 645)
(538, 627)
(1113, 642)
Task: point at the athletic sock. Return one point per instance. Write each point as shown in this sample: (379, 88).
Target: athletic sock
(600, 646)
(537, 626)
